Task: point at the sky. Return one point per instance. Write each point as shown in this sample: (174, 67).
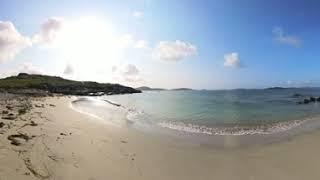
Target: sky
(206, 44)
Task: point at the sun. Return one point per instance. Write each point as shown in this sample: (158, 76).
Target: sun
(89, 42)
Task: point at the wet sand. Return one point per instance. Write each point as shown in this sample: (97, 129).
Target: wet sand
(66, 144)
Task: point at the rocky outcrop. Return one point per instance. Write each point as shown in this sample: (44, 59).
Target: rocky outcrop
(41, 84)
(309, 100)
(296, 95)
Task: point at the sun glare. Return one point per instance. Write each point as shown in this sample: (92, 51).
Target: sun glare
(89, 41)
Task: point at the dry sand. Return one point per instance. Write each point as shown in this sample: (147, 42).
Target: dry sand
(62, 143)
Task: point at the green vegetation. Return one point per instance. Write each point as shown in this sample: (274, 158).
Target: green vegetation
(55, 84)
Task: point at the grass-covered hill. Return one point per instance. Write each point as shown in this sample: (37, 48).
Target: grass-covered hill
(52, 84)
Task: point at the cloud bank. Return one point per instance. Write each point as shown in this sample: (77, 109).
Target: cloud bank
(49, 31)
(11, 41)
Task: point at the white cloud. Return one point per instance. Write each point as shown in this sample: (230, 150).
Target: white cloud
(232, 60)
(126, 73)
(11, 41)
(174, 50)
(281, 37)
(49, 31)
(22, 68)
(141, 44)
(30, 69)
(138, 14)
(68, 70)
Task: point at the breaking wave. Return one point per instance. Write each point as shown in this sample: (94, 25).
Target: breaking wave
(233, 130)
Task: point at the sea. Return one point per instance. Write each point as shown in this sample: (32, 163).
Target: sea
(240, 112)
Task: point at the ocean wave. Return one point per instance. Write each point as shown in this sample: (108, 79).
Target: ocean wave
(234, 130)
(133, 114)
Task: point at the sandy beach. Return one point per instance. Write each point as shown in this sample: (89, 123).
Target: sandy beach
(53, 141)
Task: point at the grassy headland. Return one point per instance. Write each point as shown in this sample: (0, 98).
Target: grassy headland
(27, 83)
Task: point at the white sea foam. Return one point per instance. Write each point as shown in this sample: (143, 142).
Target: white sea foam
(235, 130)
(134, 115)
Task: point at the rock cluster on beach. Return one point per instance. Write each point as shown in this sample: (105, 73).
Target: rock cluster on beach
(21, 133)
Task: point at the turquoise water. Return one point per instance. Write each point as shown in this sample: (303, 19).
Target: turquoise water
(221, 111)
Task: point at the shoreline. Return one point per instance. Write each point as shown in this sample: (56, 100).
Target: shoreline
(70, 145)
(245, 134)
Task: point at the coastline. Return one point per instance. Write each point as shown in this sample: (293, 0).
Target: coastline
(71, 145)
(243, 134)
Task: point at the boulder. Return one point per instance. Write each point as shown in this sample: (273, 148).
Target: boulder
(306, 101)
(312, 99)
(296, 95)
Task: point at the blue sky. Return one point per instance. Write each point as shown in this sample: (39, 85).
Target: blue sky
(213, 44)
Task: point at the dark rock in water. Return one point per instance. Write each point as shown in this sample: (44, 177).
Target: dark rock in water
(1, 124)
(318, 99)
(306, 101)
(296, 95)
(312, 99)
(276, 88)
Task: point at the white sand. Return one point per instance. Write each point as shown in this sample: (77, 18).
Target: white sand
(90, 149)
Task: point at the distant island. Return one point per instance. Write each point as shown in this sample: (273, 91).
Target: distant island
(145, 88)
(279, 88)
(36, 84)
(182, 89)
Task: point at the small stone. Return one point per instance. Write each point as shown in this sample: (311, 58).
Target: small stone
(22, 111)
(5, 112)
(10, 117)
(32, 123)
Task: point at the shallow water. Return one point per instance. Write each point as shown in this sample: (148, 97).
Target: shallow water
(221, 112)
